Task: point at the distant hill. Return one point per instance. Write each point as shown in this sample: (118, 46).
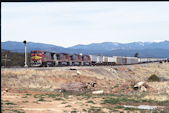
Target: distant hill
(145, 49)
(126, 46)
(19, 46)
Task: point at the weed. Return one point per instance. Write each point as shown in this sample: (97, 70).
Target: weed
(68, 106)
(10, 103)
(17, 111)
(39, 95)
(36, 96)
(114, 110)
(28, 94)
(63, 102)
(41, 99)
(162, 102)
(84, 110)
(94, 110)
(24, 96)
(90, 102)
(112, 101)
(119, 107)
(25, 101)
(66, 94)
(85, 95)
(131, 109)
(35, 102)
(59, 99)
(53, 95)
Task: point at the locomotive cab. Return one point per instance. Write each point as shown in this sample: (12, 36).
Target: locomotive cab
(36, 58)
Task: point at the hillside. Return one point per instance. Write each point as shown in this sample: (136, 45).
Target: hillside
(126, 46)
(62, 89)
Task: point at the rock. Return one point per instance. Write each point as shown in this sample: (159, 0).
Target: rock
(98, 92)
(142, 86)
(78, 72)
(138, 85)
(90, 85)
(143, 89)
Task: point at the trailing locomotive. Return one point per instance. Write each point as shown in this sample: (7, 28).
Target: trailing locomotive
(50, 59)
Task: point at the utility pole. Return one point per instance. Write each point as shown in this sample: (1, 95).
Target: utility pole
(25, 54)
(6, 59)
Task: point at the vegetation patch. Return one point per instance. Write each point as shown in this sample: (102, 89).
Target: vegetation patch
(94, 109)
(90, 102)
(68, 106)
(73, 111)
(53, 95)
(25, 101)
(154, 78)
(41, 99)
(10, 103)
(17, 111)
(59, 99)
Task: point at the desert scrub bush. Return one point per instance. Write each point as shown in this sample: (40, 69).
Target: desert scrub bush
(41, 99)
(17, 111)
(120, 100)
(68, 106)
(112, 101)
(94, 109)
(59, 99)
(153, 78)
(9, 103)
(53, 95)
(90, 101)
(85, 95)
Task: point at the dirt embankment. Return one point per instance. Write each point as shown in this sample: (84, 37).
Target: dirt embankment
(70, 89)
(109, 78)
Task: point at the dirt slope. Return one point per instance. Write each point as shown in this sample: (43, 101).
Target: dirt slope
(21, 86)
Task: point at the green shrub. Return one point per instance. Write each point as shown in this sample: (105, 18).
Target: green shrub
(154, 78)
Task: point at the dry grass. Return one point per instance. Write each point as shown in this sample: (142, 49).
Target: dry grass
(55, 77)
(157, 97)
(107, 78)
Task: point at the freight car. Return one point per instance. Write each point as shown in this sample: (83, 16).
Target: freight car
(50, 59)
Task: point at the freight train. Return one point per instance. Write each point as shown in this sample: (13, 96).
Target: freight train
(51, 59)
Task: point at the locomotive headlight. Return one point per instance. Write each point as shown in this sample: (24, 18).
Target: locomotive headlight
(39, 61)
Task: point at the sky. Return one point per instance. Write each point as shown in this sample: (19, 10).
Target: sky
(70, 23)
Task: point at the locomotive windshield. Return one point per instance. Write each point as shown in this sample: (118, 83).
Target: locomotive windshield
(36, 52)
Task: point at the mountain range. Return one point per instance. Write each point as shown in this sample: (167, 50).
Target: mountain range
(144, 49)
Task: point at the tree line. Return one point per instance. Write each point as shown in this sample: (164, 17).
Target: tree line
(14, 59)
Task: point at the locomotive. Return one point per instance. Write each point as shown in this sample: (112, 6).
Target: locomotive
(51, 59)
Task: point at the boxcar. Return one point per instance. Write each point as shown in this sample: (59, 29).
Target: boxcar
(132, 60)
